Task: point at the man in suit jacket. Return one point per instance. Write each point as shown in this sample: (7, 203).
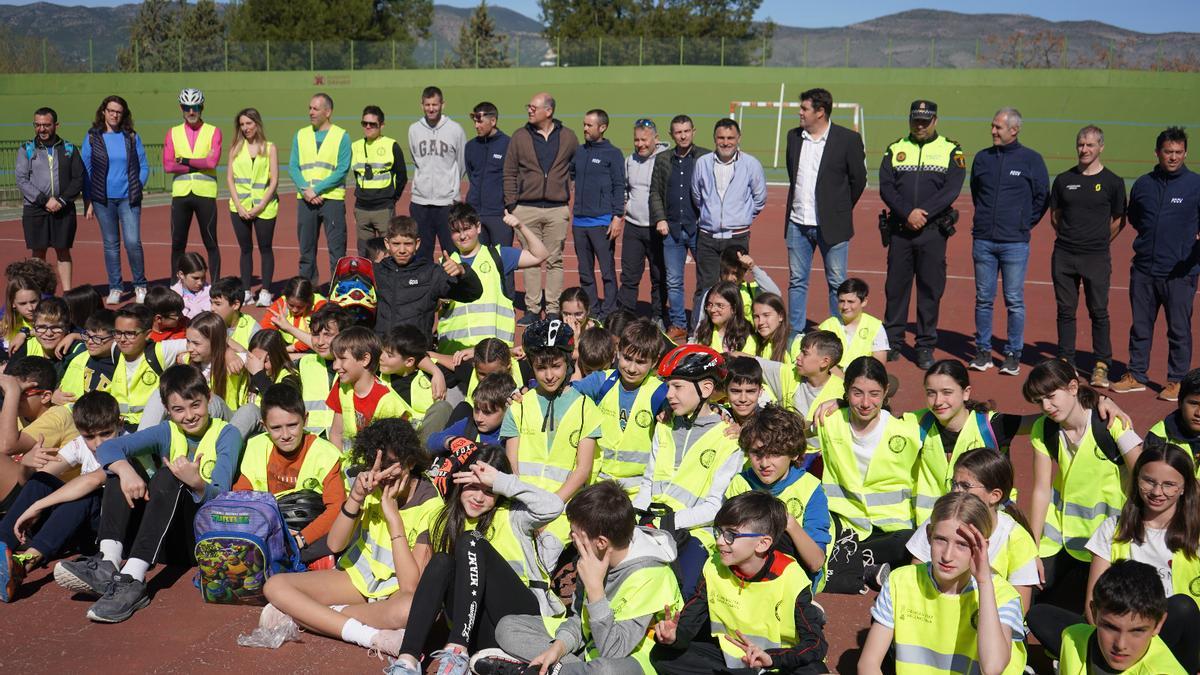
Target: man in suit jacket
(827, 173)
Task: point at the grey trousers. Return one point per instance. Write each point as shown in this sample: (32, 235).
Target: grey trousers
(525, 637)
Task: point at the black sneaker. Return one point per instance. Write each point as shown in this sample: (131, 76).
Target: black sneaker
(89, 574)
(499, 662)
(125, 596)
(924, 358)
(981, 362)
(1012, 365)
(875, 575)
(893, 354)
(527, 320)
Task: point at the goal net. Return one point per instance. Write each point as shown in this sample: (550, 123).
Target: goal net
(851, 117)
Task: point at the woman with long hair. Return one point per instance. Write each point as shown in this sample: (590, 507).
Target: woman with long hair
(723, 326)
(116, 166)
(252, 178)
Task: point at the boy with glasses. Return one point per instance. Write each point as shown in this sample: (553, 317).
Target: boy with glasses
(379, 177)
(91, 369)
(142, 361)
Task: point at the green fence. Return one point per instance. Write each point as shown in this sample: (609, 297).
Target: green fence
(818, 48)
(9, 194)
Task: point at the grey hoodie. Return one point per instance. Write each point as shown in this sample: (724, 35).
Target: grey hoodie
(616, 639)
(532, 509)
(439, 156)
(638, 172)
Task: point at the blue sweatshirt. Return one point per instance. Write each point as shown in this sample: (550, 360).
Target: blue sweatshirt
(1010, 189)
(335, 179)
(485, 171)
(117, 178)
(599, 174)
(437, 441)
(156, 440)
(1164, 210)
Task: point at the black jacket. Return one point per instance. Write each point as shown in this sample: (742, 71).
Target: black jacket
(841, 179)
(409, 295)
(678, 213)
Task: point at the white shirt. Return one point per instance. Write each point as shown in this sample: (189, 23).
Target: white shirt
(76, 453)
(723, 174)
(804, 196)
(864, 446)
(1153, 551)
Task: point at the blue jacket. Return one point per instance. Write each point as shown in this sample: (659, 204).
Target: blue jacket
(744, 198)
(484, 158)
(1010, 189)
(1164, 210)
(599, 174)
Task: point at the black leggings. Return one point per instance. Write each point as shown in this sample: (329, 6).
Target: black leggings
(476, 587)
(205, 210)
(161, 528)
(246, 231)
(1180, 632)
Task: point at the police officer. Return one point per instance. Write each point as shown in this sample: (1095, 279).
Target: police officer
(919, 178)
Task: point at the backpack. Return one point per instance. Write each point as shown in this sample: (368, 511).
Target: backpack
(241, 540)
(985, 427)
(1104, 440)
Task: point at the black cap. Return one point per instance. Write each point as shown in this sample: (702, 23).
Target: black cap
(922, 109)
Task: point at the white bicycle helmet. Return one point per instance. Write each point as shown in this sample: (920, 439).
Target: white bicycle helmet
(191, 97)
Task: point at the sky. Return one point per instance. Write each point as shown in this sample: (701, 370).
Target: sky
(1151, 16)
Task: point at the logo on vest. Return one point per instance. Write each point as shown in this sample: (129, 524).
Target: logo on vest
(1097, 187)
(311, 484)
(1194, 587)
(574, 437)
(1014, 172)
(707, 457)
(975, 620)
(485, 267)
(644, 419)
(207, 468)
(900, 156)
(897, 444)
(863, 332)
(380, 151)
(1176, 200)
(795, 507)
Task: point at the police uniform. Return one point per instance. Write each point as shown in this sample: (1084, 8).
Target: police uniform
(926, 175)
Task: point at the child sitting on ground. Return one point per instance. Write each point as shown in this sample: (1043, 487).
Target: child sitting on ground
(483, 424)
(861, 334)
(31, 424)
(1182, 427)
(595, 352)
(226, 298)
(744, 389)
(91, 369)
(192, 284)
(359, 397)
(290, 313)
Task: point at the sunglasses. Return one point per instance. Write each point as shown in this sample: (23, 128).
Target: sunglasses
(369, 125)
(191, 108)
(644, 123)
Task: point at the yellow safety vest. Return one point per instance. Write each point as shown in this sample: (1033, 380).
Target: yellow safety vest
(935, 469)
(243, 328)
(1168, 430)
(472, 383)
(933, 156)
(834, 389)
(316, 381)
(1073, 656)
(749, 291)
(132, 394)
(685, 485)
(368, 562)
(883, 497)
(464, 324)
(764, 611)
(1087, 488)
(251, 176)
(33, 347)
(378, 156)
(795, 497)
(937, 632)
(858, 344)
(202, 183)
(320, 458)
(1185, 571)
(206, 451)
(624, 452)
(766, 349)
(390, 405)
(317, 164)
(236, 387)
(81, 377)
(420, 394)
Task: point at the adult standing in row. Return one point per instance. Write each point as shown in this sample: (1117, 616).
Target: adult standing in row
(675, 215)
(436, 143)
(537, 188)
(919, 178)
(379, 178)
(642, 243)
(1010, 189)
(1087, 211)
(827, 174)
(1164, 210)
(115, 161)
(49, 174)
(598, 214)
(319, 164)
(253, 181)
(192, 151)
(484, 160)
(731, 190)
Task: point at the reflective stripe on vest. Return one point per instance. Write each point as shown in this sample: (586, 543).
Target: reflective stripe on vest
(933, 156)
(624, 453)
(543, 463)
(934, 469)
(317, 164)
(316, 381)
(463, 325)
(132, 394)
(883, 497)
(251, 176)
(764, 611)
(368, 562)
(686, 485)
(378, 156)
(858, 344)
(202, 183)
(319, 459)
(1087, 488)
(936, 632)
(206, 450)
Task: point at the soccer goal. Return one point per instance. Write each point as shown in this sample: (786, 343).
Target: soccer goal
(855, 118)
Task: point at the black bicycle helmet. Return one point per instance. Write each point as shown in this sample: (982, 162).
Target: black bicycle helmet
(300, 508)
(550, 333)
(694, 363)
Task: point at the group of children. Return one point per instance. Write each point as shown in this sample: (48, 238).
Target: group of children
(592, 498)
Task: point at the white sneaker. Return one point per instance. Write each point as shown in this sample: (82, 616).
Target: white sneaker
(114, 297)
(248, 298)
(139, 294)
(264, 298)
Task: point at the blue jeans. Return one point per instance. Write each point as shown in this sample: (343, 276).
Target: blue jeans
(1009, 259)
(675, 252)
(118, 220)
(802, 242)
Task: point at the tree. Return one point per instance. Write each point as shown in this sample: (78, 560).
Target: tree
(1019, 49)
(153, 39)
(478, 44)
(23, 54)
(202, 31)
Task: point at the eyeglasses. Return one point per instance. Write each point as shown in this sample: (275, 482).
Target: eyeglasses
(961, 485)
(110, 111)
(532, 107)
(191, 108)
(644, 123)
(1169, 488)
(49, 329)
(127, 334)
(730, 536)
(369, 125)
(96, 338)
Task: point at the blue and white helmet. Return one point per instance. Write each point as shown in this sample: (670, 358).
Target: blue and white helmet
(191, 97)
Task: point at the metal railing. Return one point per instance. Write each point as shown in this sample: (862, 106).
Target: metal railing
(9, 194)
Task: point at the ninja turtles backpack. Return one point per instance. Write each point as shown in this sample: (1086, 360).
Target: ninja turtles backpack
(241, 540)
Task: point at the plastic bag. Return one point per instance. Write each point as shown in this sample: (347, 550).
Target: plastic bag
(271, 637)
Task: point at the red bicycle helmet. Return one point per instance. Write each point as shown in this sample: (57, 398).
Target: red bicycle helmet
(694, 363)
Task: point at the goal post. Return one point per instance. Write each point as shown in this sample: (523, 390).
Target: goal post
(855, 110)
